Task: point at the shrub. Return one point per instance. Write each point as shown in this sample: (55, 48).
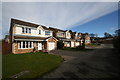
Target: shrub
(116, 43)
(79, 47)
(60, 44)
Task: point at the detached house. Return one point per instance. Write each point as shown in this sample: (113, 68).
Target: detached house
(28, 37)
(77, 37)
(70, 39)
(64, 36)
(87, 39)
(25, 36)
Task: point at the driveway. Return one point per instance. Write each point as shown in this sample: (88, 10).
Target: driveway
(98, 63)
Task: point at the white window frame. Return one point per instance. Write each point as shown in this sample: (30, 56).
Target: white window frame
(47, 34)
(26, 30)
(39, 32)
(61, 33)
(21, 42)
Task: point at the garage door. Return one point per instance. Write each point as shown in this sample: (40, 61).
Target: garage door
(72, 44)
(51, 45)
(77, 43)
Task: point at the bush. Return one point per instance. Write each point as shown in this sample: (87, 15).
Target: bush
(79, 47)
(60, 44)
(116, 43)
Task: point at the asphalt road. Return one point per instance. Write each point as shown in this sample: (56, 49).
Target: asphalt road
(98, 63)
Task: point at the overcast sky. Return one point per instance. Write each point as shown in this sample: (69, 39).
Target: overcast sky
(64, 15)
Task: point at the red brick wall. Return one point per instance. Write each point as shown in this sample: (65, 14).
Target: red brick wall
(6, 47)
(18, 51)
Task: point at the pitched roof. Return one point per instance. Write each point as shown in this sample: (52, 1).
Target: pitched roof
(15, 21)
(55, 29)
(44, 27)
(64, 39)
(29, 37)
(33, 38)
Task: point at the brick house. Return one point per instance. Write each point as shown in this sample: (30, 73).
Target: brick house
(77, 37)
(70, 39)
(26, 36)
(87, 39)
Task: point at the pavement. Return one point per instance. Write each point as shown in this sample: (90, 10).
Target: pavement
(97, 63)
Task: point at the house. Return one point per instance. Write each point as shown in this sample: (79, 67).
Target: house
(70, 39)
(26, 36)
(77, 37)
(87, 38)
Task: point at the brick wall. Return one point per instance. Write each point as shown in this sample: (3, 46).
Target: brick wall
(6, 47)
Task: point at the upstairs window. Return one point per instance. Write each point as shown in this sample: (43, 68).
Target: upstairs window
(78, 35)
(60, 34)
(47, 33)
(39, 31)
(26, 30)
(22, 29)
(68, 34)
(29, 30)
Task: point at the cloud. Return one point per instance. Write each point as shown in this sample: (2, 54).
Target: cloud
(60, 0)
(113, 28)
(62, 15)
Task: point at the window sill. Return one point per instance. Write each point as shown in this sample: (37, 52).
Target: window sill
(25, 48)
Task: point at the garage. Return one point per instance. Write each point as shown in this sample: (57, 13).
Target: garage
(51, 45)
(77, 43)
(72, 44)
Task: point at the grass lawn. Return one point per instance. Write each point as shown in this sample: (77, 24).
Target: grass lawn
(93, 45)
(36, 63)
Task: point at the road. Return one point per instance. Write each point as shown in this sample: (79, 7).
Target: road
(98, 63)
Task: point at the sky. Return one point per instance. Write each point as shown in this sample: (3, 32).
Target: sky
(91, 17)
(107, 23)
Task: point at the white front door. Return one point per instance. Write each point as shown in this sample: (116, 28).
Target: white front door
(39, 46)
(51, 45)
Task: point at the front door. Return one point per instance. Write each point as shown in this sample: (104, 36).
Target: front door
(39, 46)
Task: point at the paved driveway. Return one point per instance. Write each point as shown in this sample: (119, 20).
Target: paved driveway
(99, 63)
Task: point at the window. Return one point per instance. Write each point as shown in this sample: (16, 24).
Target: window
(22, 29)
(19, 44)
(68, 34)
(60, 34)
(39, 31)
(29, 30)
(25, 44)
(78, 35)
(26, 30)
(47, 32)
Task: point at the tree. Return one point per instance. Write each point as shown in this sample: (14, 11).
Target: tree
(96, 35)
(117, 32)
(116, 43)
(70, 30)
(60, 44)
(107, 34)
(92, 35)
